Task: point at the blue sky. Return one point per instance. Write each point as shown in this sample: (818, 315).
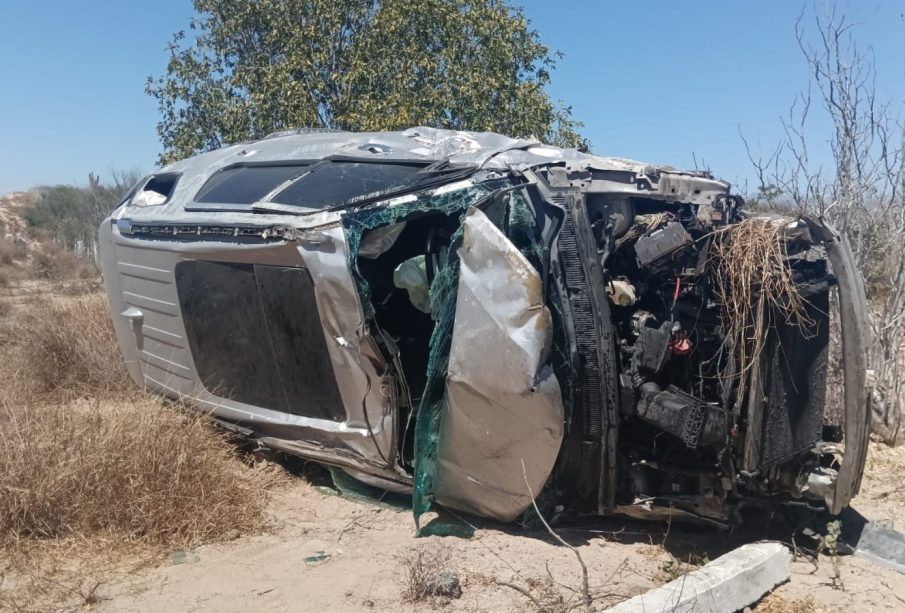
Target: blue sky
(657, 81)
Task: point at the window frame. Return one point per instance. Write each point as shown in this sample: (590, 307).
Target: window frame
(139, 187)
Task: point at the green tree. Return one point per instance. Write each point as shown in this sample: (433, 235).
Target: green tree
(251, 67)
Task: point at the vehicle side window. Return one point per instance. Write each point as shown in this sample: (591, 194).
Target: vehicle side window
(337, 183)
(246, 184)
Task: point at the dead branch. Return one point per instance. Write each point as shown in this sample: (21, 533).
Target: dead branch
(585, 591)
(863, 192)
(523, 592)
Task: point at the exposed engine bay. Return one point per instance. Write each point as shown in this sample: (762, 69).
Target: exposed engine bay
(720, 323)
(710, 413)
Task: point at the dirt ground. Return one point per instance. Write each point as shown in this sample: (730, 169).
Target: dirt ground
(332, 552)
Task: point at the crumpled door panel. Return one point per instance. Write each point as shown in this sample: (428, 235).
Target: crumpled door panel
(502, 425)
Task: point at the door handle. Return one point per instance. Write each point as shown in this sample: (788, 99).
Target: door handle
(135, 318)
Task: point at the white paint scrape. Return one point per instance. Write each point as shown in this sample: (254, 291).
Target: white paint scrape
(730, 583)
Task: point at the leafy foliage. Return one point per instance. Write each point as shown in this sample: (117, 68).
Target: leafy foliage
(68, 215)
(251, 67)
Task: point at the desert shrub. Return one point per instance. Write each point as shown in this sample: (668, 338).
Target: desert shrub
(69, 215)
(54, 263)
(62, 348)
(879, 250)
(10, 252)
(427, 573)
(135, 471)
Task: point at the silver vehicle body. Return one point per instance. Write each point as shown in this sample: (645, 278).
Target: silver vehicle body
(258, 312)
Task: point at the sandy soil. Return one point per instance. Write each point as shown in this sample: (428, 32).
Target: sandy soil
(367, 545)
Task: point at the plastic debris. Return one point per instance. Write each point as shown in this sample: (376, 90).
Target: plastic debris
(326, 490)
(621, 292)
(319, 557)
(182, 556)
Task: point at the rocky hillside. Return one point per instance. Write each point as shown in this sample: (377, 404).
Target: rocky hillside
(12, 223)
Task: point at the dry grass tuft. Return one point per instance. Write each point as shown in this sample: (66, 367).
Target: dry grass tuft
(83, 452)
(60, 349)
(753, 281)
(11, 251)
(54, 263)
(138, 472)
(428, 573)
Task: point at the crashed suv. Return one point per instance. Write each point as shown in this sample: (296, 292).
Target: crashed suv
(480, 321)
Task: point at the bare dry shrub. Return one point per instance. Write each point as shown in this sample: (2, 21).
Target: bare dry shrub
(6, 258)
(62, 348)
(862, 192)
(137, 472)
(424, 568)
(10, 252)
(54, 263)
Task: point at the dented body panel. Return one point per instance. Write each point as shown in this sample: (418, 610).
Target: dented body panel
(503, 422)
(479, 320)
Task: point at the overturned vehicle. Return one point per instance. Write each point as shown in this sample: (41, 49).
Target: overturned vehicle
(481, 321)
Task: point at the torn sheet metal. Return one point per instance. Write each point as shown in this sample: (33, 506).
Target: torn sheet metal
(503, 423)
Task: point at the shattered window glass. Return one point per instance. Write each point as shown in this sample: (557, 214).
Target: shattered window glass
(337, 183)
(246, 184)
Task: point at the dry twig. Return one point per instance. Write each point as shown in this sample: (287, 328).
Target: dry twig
(585, 591)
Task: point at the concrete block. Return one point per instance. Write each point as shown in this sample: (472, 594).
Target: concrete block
(730, 583)
(883, 546)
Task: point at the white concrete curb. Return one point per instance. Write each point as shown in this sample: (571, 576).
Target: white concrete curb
(730, 583)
